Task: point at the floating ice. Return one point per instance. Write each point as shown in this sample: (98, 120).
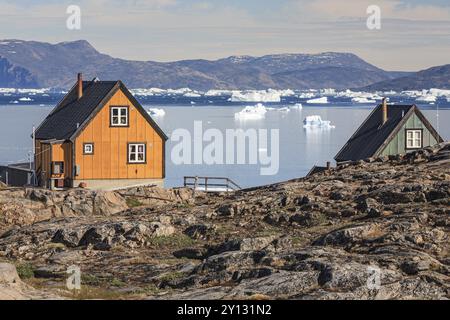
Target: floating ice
(192, 95)
(284, 109)
(218, 93)
(25, 99)
(156, 112)
(427, 98)
(316, 122)
(252, 112)
(256, 96)
(362, 100)
(439, 92)
(306, 95)
(321, 100)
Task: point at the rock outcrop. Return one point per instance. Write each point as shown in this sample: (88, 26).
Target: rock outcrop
(373, 229)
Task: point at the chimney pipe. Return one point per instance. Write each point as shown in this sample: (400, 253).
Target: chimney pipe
(80, 85)
(384, 111)
(328, 165)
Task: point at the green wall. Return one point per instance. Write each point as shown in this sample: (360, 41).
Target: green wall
(397, 145)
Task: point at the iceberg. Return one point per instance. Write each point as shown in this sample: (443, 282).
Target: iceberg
(218, 93)
(251, 113)
(362, 100)
(439, 92)
(322, 100)
(316, 122)
(306, 95)
(426, 98)
(256, 96)
(156, 112)
(192, 95)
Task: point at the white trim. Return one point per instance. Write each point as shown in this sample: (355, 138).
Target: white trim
(88, 145)
(413, 139)
(119, 117)
(136, 153)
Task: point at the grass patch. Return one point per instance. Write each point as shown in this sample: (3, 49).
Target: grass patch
(25, 271)
(117, 283)
(54, 245)
(178, 241)
(133, 202)
(171, 276)
(88, 292)
(91, 280)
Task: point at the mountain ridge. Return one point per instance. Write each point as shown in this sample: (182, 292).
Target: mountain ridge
(434, 77)
(54, 65)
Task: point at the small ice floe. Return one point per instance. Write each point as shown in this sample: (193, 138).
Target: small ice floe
(307, 95)
(192, 95)
(192, 103)
(297, 106)
(316, 122)
(251, 113)
(322, 100)
(427, 98)
(156, 112)
(362, 100)
(26, 99)
(14, 102)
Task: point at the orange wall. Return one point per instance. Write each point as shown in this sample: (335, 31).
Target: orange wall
(109, 160)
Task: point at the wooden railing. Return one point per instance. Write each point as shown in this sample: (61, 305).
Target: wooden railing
(211, 184)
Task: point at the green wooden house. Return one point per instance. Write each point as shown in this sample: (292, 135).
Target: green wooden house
(389, 130)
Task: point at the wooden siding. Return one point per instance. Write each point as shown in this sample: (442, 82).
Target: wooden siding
(43, 159)
(398, 144)
(46, 153)
(110, 157)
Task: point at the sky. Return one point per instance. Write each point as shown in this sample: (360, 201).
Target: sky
(414, 34)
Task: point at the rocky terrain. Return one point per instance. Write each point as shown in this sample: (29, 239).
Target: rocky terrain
(373, 229)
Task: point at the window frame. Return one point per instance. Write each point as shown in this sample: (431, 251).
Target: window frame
(84, 148)
(413, 146)
(129, 153)
(61, 163)
(119, 108)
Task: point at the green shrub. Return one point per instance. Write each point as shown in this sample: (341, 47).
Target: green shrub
(25, 271)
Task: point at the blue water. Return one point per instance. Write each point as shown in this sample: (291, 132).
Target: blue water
(299, 149)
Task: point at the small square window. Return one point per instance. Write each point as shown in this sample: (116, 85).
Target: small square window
(88, 148)
(136, 153)
(119, 116)
(413, 139)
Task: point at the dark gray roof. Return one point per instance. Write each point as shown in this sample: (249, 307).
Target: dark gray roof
(72, 114)
(371, 135)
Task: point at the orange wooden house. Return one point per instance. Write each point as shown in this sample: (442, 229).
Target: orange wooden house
(101, 137)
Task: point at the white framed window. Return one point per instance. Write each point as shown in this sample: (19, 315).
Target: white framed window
(88, 148)
(413, 139)
(136, 153)
(119, 116)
